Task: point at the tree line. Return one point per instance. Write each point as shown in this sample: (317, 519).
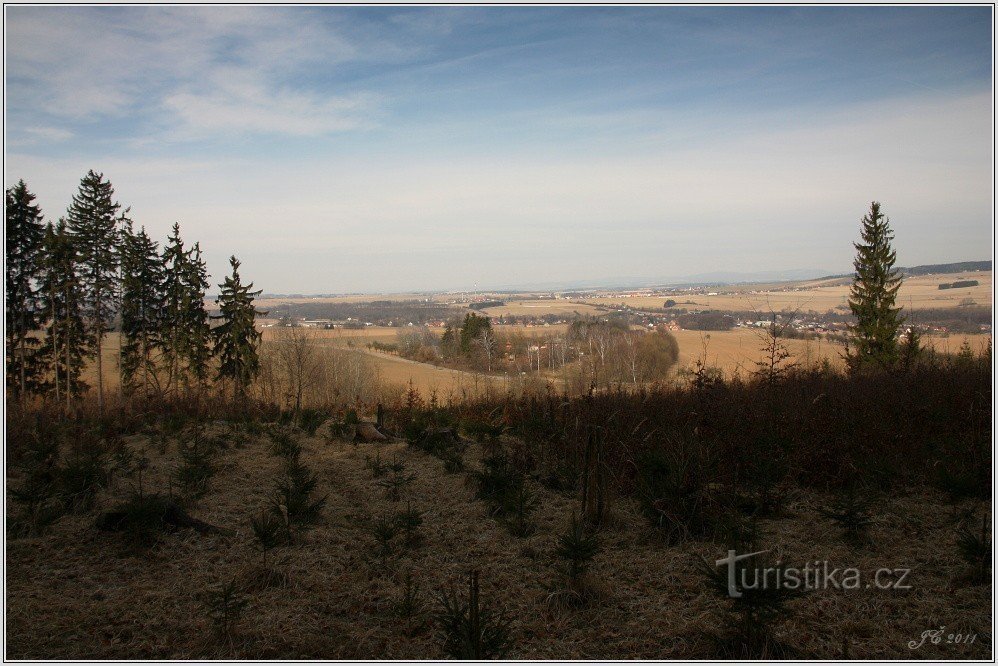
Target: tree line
(70, 282)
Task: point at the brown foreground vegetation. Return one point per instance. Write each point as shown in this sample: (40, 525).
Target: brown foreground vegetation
(665, 479)
(76, 593)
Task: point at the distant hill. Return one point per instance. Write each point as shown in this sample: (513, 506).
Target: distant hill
(958, 267)
(932, 269)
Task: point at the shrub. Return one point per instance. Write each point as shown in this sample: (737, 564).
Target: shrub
(577, 548)
(140, 518)
(520, 504)
(472, 629)
(409, 522)
(309, 420)
(284, 442)
(753, 616)
(497, 481)
(269, 532)
(293, 500)
(410, 607)
(384, 531)
(82, 475)
(850, 511)
(377, 467)
(196, 469)
(225, 606)
(975, 548)
(38, 492)
(675, 492)
(397, 481)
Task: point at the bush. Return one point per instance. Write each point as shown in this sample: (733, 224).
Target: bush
(83, 474)
(293, 500)
(225, 605)
(975, 548)
(309, 420)
(497, 482)
(283, 442)
(471, 628)
(850, 511)
(196, 469)
(752, 617)
(409, 521)
(675, 491)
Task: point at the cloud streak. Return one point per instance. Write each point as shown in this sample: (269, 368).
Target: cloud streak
(384, 149)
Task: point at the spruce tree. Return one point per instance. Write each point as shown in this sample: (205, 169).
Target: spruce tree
(186, 338)
(197, 328)
(873, 294)
(67, 343)
(25, 234)
(93, 222)
(141, 309)
(236, 338)
(174, 300)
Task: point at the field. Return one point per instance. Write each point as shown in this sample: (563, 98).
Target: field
(916, 293)
(732, 351)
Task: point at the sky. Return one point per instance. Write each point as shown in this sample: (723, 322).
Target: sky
(387, 149)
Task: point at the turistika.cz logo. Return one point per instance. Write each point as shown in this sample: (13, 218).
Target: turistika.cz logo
(817, 575)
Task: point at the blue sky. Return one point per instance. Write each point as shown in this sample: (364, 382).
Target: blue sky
(389, 149)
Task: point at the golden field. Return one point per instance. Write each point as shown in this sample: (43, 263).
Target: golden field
(734, 351)
(819, 295)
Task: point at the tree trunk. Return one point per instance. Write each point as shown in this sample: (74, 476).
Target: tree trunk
(69, 372)
(55, 349)
(23, 340)
(100, 371)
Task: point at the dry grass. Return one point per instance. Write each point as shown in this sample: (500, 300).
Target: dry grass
(76, 593)
(541, 307)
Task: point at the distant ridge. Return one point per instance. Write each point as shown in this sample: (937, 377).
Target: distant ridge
(721, 278)
(931, 269)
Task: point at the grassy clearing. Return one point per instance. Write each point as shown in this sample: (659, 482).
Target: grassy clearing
(365, 580)
(76, 593)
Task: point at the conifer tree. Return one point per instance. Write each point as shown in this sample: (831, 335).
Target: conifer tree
(186, 337)
(873, 294)
(174, 299)
(25, 233)
(67, 342)
(141, 309)
(236, 338)
(93, 222)
(197, 328)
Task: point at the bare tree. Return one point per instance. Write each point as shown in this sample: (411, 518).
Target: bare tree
(297, 353)
(630, 354)
(489, 344)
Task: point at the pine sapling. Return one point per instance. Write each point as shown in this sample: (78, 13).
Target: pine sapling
(397, 481)
(975, 548)
(269, 532)
(293, 500)
(410, 606)
(472, 629)
(520, 504)
(409, 522)
(851, 512)
(755, 612)
(225, 605)
(384, 531)
(577, 548)
(375, 464)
